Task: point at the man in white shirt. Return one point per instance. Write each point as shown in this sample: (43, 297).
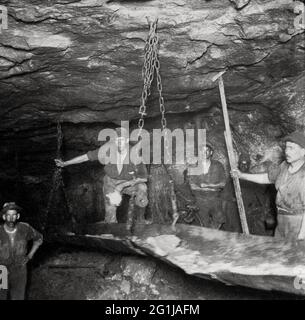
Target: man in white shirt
(121, 176)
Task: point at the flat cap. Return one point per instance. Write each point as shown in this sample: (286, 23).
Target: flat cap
(296, 137)
(10, 206)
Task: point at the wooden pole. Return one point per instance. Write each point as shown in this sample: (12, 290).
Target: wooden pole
(233, 165)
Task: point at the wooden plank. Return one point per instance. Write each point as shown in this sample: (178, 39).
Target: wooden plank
(235, 259)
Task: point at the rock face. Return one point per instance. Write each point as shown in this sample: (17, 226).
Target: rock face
(78, 275)
(80, 62)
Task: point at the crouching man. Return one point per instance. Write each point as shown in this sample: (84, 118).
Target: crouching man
(14, 239)
(122, 176)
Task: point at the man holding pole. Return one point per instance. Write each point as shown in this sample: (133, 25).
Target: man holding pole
(289, 180)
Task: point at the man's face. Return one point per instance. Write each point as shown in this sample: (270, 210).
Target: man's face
(294, 152)
(207, 152)
(10, 218)
(244, 165)
(121, 143)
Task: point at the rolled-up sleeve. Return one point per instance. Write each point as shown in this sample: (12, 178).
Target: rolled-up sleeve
(34, 235)
(93, 155)
(273, 172)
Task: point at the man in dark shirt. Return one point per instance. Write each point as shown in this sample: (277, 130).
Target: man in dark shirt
(206, 188)
(121, 176)
(14, 239)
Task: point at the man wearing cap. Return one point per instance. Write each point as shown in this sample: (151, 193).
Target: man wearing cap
(122, 176)
(14, 239)
(289, 180)
(206, 187)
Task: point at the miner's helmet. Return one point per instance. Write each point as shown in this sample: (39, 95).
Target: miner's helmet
(11, 206)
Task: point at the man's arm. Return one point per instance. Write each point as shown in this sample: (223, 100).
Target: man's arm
(130, 183)
(76, 160)
(36, 245)
(219, 185)
(139, 180)
(37, 242)
(218, 180)
(260, 178)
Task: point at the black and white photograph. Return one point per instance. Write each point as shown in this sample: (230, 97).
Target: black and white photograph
(152, 153)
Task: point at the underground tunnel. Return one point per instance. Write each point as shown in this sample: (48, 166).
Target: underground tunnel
(70, 69)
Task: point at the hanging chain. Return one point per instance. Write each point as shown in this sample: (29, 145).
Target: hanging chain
(57, 180)
(160, 88)
(151, 65)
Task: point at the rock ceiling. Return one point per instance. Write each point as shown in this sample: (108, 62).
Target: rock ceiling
(81, 61)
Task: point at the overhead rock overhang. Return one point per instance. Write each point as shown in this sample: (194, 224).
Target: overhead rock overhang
(81, 61)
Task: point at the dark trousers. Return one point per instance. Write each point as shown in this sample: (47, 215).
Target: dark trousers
(17, 278)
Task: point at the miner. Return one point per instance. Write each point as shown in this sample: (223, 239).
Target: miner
(122, 176)
(14, 240)
(289, 180)
(206, 187)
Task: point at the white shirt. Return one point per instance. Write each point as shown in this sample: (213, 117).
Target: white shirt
(206, 166)
(120, 160)
(11, 235)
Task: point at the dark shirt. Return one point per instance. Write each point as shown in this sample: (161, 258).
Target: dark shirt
(14, 255)
(215, 175)
(129, 170)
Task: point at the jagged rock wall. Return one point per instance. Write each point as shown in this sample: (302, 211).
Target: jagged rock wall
(80, 62)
